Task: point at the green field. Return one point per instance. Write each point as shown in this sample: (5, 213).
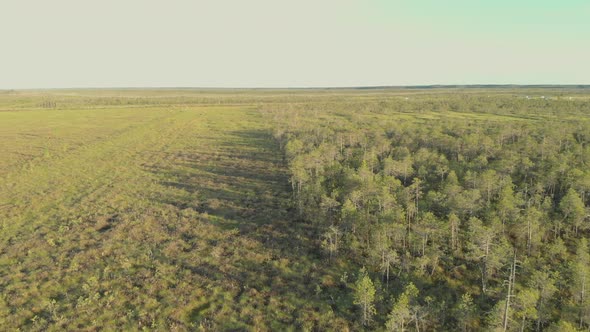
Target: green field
(160, 217)
(211, 209)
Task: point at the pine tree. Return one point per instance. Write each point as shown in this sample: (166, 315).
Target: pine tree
(404, 311)
(364, 296)
(573, 210)
(465, 312)
(581, 282)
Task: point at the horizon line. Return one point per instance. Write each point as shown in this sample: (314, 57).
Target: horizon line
(359, 87)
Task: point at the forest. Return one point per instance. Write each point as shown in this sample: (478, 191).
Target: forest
(456, 212)
(426, 209)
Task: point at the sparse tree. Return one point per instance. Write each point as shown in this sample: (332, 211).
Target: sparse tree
(364, 296)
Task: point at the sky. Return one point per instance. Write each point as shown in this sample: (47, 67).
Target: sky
(303, 43)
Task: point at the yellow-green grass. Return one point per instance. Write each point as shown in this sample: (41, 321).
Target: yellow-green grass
(154, 217)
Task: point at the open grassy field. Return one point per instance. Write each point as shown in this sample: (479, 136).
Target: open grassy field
(167, 217)
(175, 209)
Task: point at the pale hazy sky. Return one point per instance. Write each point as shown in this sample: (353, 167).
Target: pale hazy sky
(280, 43)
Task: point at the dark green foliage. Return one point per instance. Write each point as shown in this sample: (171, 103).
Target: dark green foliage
(441, 190)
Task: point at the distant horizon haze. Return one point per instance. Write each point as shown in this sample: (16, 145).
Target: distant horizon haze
(68, 44)
(367, 87)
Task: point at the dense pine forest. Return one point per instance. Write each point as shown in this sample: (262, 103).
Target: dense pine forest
(455, 212)
(427, 209)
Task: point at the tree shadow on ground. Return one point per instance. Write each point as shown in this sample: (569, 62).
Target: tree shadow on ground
(240, 182)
